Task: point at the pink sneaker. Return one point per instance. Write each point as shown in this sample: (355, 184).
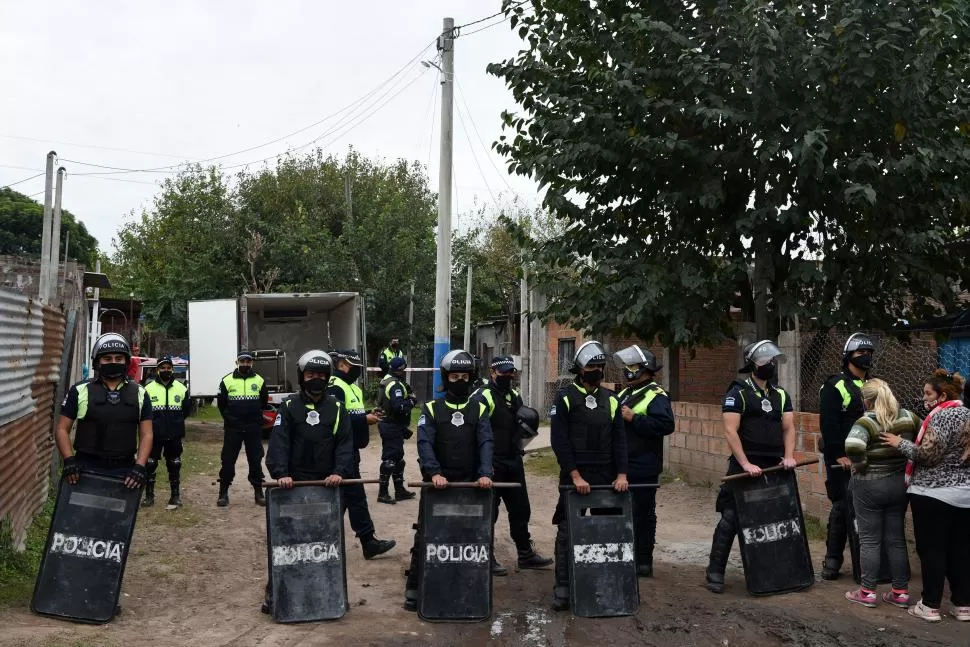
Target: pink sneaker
(863, 597)
(961, 613)
(898, 598)
(925, 612)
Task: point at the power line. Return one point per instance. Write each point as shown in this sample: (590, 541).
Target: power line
(106, 148)
(458, 29)
(23, 180)
(434, 113)
(461, 96)
(471, 149)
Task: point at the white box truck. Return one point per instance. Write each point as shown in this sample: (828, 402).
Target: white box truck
(277, 328)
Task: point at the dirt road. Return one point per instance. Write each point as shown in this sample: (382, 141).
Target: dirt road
(195, 577)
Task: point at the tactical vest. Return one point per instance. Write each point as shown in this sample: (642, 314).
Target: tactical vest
(850, 390)
(505, 428)
(244, 409)
(591, 425)
(168, 419)
(353, 396)
(388, 384)
(761, 431)
(456, 438)
(107, 422)
(639, 399)
(312, 436)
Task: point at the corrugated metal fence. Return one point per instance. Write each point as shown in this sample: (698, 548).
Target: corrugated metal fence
(31, 346)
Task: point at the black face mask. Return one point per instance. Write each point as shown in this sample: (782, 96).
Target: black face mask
(862, 362)
(394, 346)
(765, 372)
(459, 389)
(165, 376)
(504, 382)
(353, 374)
(245, 370)
(316, 386)
(592, 377)
(112, 371)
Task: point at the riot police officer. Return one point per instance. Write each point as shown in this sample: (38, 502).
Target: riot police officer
(840, 405)
(589, 440)
(396, 399)
(454, 444)
(389, 354)
(114, 419)
(170, 407)
(504, 404)
(649, 417)
(759, 425)
(311, 438)
(242, 396)
(347, 370)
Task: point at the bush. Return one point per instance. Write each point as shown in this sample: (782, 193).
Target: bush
(18, 569)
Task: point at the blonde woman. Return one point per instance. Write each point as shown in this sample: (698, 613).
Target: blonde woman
(878, 491)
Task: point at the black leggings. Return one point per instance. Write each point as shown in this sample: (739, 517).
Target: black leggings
(943, 543)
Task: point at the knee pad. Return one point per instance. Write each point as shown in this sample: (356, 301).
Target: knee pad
(729, 519)
(388, 465)
(151, 465)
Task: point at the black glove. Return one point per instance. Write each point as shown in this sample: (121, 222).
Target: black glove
(407, 434)
(70, 468)
(138, 474)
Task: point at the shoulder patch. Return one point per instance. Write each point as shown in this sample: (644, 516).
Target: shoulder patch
(421, 420)
(552, 411)
(279, 420)
(729, 401)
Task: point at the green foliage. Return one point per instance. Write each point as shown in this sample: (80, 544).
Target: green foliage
(18, 569)
(286, 229)
(21, 225)
(789, 158)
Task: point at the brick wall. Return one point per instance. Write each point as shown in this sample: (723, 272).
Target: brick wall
(699, 452)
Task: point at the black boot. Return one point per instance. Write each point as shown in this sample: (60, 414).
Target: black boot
(400, 493)
(645, 565)
(267, 605)
(258, 496)
(560, 590)
(373, 547)
(836, 536)
(497, 569)
(149, 495)
(383, 494)
(529, 558)
(724, 534)
(223, 500)
(175, 499)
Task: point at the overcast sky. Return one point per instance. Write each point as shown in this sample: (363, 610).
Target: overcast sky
(190, 79)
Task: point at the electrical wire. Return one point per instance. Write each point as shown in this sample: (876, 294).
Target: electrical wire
(105, 148)
(471, 149)
(434, 95)
(26, 179)
(481, 141)
(481, 20)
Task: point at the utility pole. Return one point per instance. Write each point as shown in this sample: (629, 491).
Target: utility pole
(45, 240)
(411, 322)
(524, 328)
(55, 239)
(468, 312)
(442, 291)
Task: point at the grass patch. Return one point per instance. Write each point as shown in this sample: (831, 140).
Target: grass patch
(542, 462)
(814, 528)
(669, 477)
(203, 448)
(18, 570)
(206, 413)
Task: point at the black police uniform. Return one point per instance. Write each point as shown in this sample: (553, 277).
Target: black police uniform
(243, 425)
(454, 440)
(587, 434)
(652, 420)
(763, 441)
(396, 399)
(106, 438)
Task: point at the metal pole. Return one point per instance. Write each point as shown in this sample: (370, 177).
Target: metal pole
(67, 246)
(55, 238)
(411, 322)
(468, 311)
(524, 326)
(94, 316)
(45, 239)
(442, 292)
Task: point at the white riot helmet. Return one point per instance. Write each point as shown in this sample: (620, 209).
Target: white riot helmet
(591, 353)
(760, 353)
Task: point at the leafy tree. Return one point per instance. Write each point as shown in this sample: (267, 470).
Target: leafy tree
(790, 158)
(21, 229)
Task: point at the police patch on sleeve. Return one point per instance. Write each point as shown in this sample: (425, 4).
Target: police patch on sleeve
(729, 401)
(552, 411)
(398, 393)
(421, 420)
(279, 420)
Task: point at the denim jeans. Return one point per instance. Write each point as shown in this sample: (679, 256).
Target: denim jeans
(880, 510)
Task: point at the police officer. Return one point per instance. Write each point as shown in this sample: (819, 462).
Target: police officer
(504, 403)
(392, 351)
(396, 399)
(649, 417)
(311, 438)
(242, 396)
(114, 419)
(840, 405)
(589, 440)
(170, 407)
(454, 444)
(759, 426)
(347, 370)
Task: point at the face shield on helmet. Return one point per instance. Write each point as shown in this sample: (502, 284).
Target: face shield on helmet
(858, 341)
(527, 420)
(636, 362)
(591, 353)
(761, 358)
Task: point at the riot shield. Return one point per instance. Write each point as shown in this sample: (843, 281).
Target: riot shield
(602, 564)
(771, 533)
(87, 548)
(307, 561)
(455, 558)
